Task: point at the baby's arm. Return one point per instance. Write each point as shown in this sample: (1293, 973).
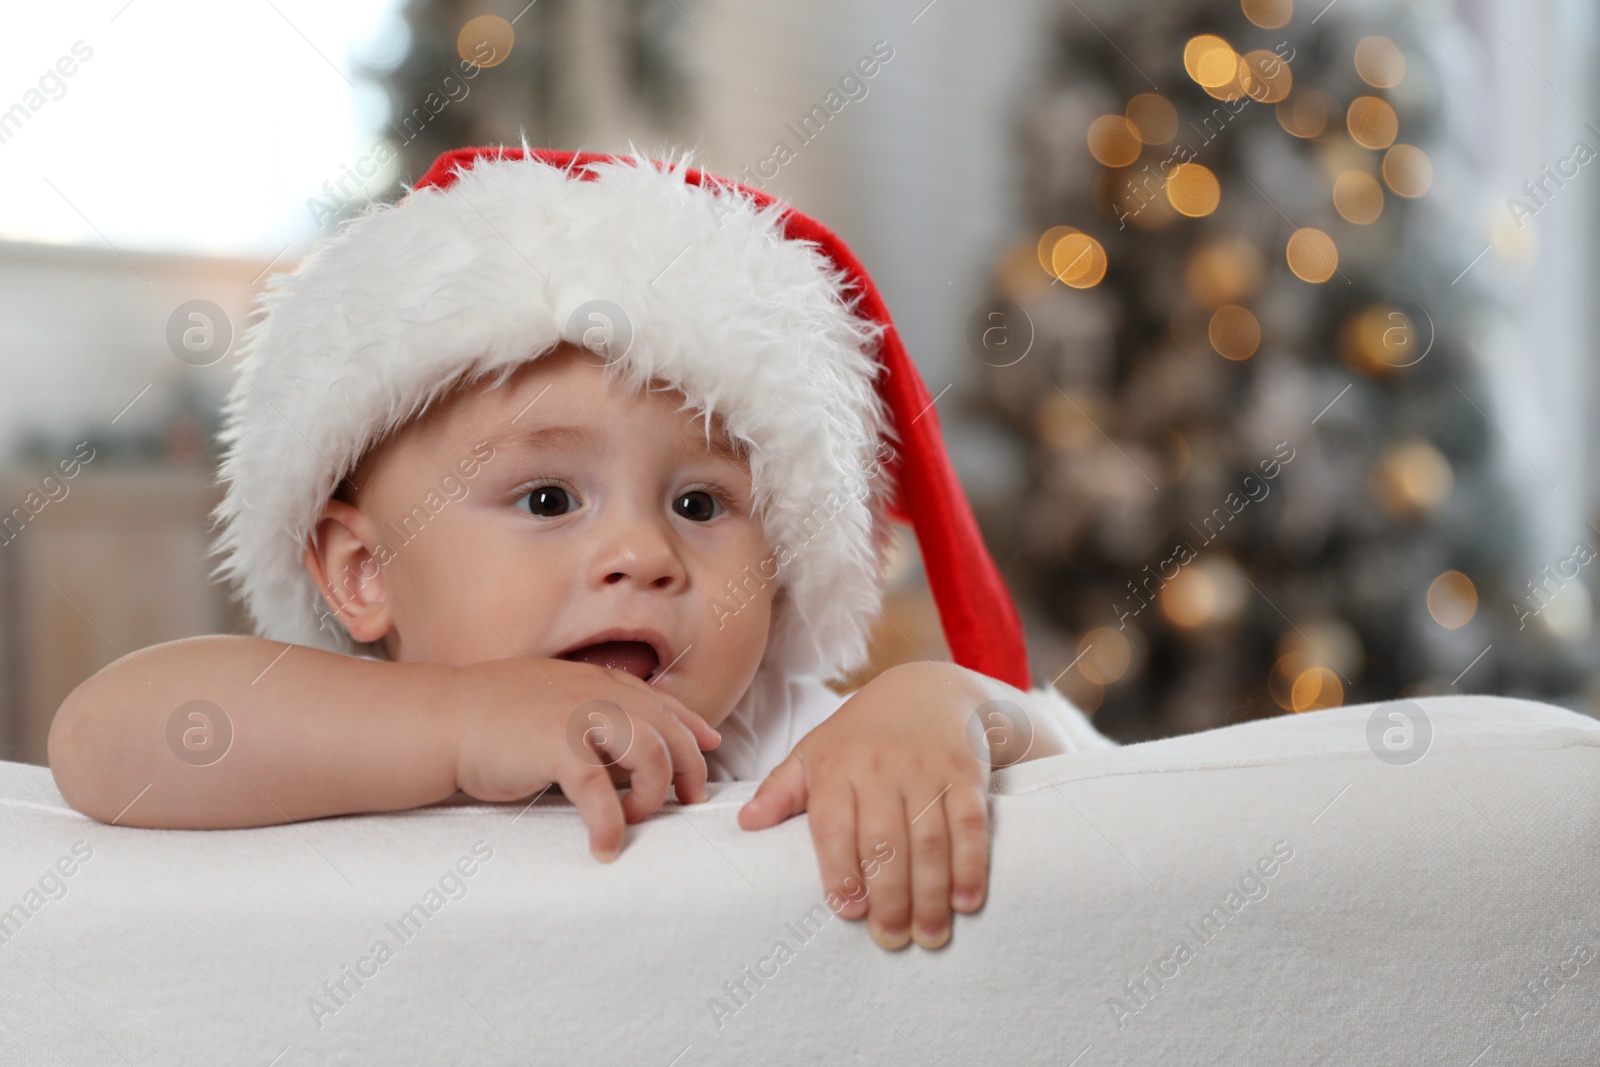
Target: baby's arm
(316, 733)
(312, 734)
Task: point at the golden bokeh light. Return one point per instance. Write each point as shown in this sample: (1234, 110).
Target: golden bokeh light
(1193, 190)
(1265, 77)
(1141, 198)
(1225, 271)
(1372, 122)
(1268, 14)
(1412, 479)
(1407, 170)
(1104, 656)
(1152, 118)
(1314, 689)
(1233, 88)
(1019, 276)
(1204, 594)
(1358, 197)
(1305, 114)
(1079, 260)
(1381, 341)
(1380, 62)
(1327, 642)
(485, 41)
(1210, 61)
(1312, 255)
(1280, 679)
(1112, 141)
(1452, 600)
(1047, 246)
(1234, 332)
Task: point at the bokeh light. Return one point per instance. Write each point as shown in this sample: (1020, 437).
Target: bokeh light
(1210, 61)
(1225, 271)
(1372, 122)
(1233, 88)
(1381, 340)
(1112, 141)
(1327, 641)
(1305, 114)
(1314, 689)
(1140, 196)
(1452, 600)
(1312, 255)
(485, 41)
(1047, 246)
(1268, 14)
(1204, 594)
(1407, 170)
(1413, 479)
(1079, 260)
(1358, 197)
(1152, 118)
(1234, 332)
(1104, 656)
(1193, 190)
(1265, 77)
(1380, 62)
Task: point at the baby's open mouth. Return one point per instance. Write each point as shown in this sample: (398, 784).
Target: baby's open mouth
(635, 657)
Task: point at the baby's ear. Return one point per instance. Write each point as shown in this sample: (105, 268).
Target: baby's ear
(341, 557)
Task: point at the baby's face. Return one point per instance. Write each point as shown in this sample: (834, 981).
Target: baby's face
(597, 514)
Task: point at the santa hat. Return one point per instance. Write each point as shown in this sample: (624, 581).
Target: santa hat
(756, 312)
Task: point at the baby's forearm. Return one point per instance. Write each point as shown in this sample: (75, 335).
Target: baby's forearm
(313, 734)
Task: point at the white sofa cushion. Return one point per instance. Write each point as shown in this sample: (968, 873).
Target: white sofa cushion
(1279, 892)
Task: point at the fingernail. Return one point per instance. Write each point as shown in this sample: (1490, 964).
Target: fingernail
(967, 899)
(930, 938)
(892, 940)
(607, 855)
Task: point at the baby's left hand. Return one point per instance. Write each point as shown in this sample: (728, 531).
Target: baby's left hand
(899, 794)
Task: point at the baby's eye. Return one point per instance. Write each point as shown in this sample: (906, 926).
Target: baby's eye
(698, 505)
(548, 501)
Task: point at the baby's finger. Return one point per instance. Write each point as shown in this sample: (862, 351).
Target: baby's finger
(881, 822)
(966, 809)
(780, 796)
(589, 787)
(649, 771)
(832, 814)
(930, 872)
(687, 769)
(705, 736)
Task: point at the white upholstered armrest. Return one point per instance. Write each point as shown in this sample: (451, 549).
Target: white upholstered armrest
(1268, 893)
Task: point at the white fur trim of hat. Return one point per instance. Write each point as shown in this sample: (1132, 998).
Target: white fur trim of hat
(476, 279)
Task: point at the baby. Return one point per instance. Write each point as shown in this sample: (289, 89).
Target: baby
(491, 548)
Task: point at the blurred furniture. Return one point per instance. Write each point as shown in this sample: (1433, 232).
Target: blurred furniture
(112, 565)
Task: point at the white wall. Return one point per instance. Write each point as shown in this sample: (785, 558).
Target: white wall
(83, 331)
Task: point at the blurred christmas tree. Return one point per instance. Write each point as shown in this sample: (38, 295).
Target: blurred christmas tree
(1239, 344)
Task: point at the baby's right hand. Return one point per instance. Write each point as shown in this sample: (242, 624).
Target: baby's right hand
(522, 725)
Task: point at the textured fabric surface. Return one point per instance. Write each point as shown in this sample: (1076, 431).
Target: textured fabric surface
(1270, 893)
